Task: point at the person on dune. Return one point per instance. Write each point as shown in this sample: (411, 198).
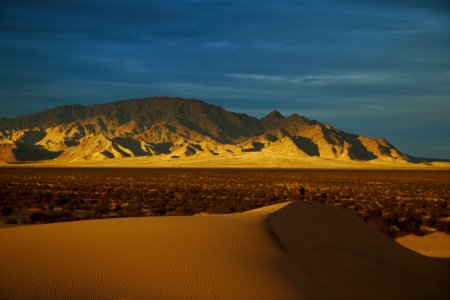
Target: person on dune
(323, 197)
(302, 193)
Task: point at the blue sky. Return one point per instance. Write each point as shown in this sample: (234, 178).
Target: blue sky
(371, 67)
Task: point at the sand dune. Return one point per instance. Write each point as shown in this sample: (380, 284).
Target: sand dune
(333, 255)
(199, 257)
(435, 244)
(215, 257)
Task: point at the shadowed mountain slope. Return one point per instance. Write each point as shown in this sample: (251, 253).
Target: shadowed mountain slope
(177, 127)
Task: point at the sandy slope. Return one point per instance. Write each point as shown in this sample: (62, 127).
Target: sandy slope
(200, 257)
(215, 257)
(436, 244)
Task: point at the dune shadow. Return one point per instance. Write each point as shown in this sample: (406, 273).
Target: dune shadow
(331, 254)
(272, 234)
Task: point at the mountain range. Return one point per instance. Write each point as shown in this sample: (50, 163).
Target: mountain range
(176, 127)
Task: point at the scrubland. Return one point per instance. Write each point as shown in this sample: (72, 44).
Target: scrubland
(395, 202)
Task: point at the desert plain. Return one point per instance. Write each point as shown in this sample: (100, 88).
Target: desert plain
(193, 233)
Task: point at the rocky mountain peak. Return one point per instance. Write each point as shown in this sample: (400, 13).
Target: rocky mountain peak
(177, 127)
(274, 115)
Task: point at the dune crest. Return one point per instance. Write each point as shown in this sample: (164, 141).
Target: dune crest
(331, 254)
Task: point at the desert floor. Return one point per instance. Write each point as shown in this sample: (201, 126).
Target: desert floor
(247, 160)
(301, 250)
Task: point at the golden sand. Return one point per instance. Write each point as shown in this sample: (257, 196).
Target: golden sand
(435, 244)
(299, 251)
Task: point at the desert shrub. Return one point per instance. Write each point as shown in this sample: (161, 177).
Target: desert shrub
(387, 229)
(118, 207)
(61, 200)
(133, 209)
(53, 217)
(443, 225)
(40, 217)
(11, 221)
(6, 210)
(386, 200)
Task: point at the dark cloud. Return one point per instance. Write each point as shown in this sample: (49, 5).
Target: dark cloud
(440, 6)
(353, 63)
